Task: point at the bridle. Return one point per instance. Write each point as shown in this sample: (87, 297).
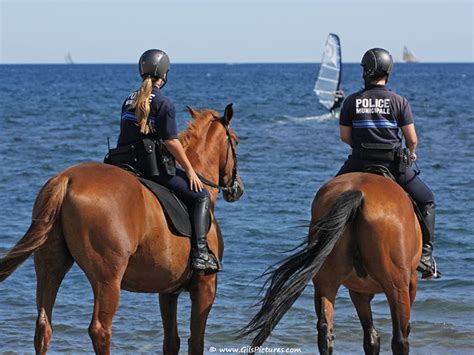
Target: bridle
(232, 185)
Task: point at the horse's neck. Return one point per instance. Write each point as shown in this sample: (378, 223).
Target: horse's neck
(204, 160)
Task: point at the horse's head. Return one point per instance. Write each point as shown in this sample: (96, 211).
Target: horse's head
(220, 144)
(228, 170)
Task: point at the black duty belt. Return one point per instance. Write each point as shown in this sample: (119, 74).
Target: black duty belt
(376, 152)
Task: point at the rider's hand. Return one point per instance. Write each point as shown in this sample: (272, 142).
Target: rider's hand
(195, 183)
(413, 156)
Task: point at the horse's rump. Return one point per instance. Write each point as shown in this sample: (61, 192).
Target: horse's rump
(386, 230)
(107, 211)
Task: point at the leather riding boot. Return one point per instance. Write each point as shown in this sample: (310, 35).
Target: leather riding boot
(202, 258)
(427, 266)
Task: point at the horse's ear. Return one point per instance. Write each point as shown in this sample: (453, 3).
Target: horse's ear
(228, 114)
(192, 111)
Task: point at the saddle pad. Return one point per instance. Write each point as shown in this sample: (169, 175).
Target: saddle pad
(175, 211)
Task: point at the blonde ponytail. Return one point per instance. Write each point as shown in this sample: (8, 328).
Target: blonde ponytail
(142, 104)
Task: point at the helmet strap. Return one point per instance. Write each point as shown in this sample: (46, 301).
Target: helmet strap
(163, 83)
(165, 79)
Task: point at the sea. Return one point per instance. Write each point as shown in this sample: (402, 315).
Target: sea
(54, 116)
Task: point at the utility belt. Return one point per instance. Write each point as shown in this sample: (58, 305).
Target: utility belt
(148, 157)
(385, 153)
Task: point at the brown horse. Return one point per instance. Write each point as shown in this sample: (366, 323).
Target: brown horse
(364, 235)
(105, 220)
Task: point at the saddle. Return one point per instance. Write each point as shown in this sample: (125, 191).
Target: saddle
(379, 170)
(176, 213)
(175, 210)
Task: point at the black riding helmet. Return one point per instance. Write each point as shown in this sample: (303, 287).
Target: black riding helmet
(377, 62)
(154, 62)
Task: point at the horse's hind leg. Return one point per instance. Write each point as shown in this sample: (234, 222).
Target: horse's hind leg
(168, 308)
(398, 297)
(52, 262)
(202, 292)
(326, 284)
(361, 302)
(413, 286)
(324, 304)
(106, 300)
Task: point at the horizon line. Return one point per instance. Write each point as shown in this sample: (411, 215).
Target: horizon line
(225, 63)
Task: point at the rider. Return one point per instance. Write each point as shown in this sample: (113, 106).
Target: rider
(370, 121)
(338, 99)
(147, 113)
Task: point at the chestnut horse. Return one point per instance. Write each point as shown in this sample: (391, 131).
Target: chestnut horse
(105, 220)
(364, 235)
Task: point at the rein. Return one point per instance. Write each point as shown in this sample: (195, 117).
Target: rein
(231, 184)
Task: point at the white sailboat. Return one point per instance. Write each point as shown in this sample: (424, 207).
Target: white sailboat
(409, 56)
(68, 58)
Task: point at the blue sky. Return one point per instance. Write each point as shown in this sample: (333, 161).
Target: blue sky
(216, 31)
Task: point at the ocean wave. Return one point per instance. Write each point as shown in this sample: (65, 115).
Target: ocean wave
(318, 118)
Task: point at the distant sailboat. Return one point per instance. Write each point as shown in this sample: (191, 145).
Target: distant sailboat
(68, 59)
(329, 77)
(409, 56)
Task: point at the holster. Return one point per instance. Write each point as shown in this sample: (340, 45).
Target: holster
(166, 160)
(146, 158)
(403, 159)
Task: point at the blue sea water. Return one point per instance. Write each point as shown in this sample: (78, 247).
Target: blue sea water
(54, 116)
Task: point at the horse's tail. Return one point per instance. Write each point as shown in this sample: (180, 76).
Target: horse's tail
(289, 280)
(45, 212)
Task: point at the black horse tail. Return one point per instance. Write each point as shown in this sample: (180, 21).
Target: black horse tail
(45, 212)
(289, 280)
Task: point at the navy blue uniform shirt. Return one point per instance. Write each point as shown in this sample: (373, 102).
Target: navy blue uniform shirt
(375, 115)
(162, 119)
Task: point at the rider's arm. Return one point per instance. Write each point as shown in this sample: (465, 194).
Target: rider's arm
(175, 148)
(410, 138)
(406, 123)
(346, 134)
(166, 127)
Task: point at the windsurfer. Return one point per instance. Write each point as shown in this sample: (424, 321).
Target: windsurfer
(338, 99)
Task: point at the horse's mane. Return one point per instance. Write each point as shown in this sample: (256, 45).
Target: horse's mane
(195, 129)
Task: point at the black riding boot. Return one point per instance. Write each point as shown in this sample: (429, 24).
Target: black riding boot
(427, 266)
(202, 258)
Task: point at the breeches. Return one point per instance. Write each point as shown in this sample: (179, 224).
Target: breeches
(179, 184)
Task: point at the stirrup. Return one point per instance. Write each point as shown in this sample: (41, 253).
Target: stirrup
(207, 263)
(430, 273)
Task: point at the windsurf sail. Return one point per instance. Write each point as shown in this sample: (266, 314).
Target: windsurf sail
(409, 56)
(329, 77)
